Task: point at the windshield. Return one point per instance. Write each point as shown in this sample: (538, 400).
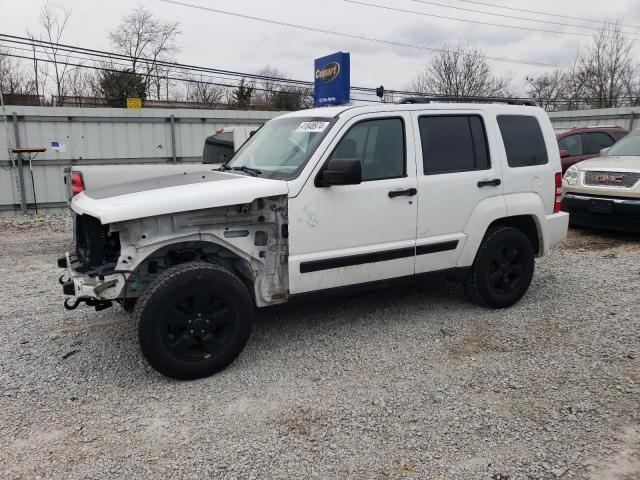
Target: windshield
(282, 147)
(629, 146)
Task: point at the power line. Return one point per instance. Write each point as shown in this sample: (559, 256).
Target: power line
(347, 35)
(549, 14)
(161, 77)
(515, 17)
(124, 66)
(180, 66)
(189, 80)
(112, 55)
(476, 22)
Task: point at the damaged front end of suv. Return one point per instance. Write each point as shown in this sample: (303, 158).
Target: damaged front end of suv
(117, 260)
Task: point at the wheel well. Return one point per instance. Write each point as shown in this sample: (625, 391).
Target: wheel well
(178, 253)
(526, 224)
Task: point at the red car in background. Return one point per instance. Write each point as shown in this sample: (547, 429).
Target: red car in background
(581, 143)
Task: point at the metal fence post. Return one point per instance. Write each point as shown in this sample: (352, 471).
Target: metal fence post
(173, 138)
(23, 194)
(632, 120)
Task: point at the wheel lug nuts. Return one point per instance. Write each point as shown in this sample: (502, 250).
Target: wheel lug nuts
(201, 331)
(190, 331)
(199, 314)
(206, 321)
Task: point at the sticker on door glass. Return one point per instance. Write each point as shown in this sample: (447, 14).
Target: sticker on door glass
(312, 127)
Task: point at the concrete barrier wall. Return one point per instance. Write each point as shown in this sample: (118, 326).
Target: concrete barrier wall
(102, 136)
(626, 117)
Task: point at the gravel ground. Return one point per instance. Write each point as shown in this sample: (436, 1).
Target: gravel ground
(415, 382)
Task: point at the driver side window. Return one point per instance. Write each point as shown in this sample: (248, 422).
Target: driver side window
(379, 145)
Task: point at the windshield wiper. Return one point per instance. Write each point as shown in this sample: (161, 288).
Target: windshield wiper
(251, 171)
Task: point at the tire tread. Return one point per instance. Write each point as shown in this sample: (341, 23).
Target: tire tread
(471, 283)
(165, 279)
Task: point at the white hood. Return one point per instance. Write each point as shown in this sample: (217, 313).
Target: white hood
(611, 164)
(172, 194)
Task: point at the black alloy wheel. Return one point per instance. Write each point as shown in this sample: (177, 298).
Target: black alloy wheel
(194, 320)
(503, 268)
(506, 270)
(196, 325)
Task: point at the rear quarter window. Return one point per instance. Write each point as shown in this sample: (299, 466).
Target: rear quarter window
(523, 140)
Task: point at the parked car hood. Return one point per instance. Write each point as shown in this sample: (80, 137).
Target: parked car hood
(172, 194)
(613, 164)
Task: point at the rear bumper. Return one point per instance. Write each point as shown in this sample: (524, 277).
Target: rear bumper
(556, 226)
(603, 212)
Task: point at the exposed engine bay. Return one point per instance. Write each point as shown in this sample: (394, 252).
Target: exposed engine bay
(116, 262)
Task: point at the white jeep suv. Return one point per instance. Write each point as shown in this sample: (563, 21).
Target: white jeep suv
(316, 201)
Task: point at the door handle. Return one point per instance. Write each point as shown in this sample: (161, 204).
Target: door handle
(489, 183)
(409, 192)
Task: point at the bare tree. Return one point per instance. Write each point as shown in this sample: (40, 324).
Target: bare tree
(199, 90)
(54, 18)
(147, 41)
(14, 79)
(267, 87)
(549, 89)
(275, 93)
(80, 82)
(40, 70)
(607, 69)
(460, 70)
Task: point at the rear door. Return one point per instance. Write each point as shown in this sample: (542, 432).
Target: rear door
(456, 171)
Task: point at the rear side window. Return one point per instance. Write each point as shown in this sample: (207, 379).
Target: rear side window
(596, 141)
(523, 140)
(572, 144)
(453, 143)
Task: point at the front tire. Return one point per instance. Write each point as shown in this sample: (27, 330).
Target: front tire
(502, 270)
(194, 320)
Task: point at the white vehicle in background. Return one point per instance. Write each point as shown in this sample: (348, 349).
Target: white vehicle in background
(604, 192)
(320, 201)
(218, 148)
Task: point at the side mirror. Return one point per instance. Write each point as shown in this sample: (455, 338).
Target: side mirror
(604, 151)
(564, 154)
(340, 171)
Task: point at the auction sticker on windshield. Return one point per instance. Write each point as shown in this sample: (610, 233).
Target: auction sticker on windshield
(312, 127)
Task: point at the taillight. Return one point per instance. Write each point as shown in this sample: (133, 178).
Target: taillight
(77, 183)
(558, 192)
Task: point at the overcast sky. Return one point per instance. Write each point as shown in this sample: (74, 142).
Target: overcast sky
(222, 41)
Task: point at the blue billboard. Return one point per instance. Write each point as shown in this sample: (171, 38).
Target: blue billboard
(332, 80)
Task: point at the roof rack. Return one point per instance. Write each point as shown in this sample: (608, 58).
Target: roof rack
(510, 101)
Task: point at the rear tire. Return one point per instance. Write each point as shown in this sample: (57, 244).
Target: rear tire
(194, 320)
(502, 270)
